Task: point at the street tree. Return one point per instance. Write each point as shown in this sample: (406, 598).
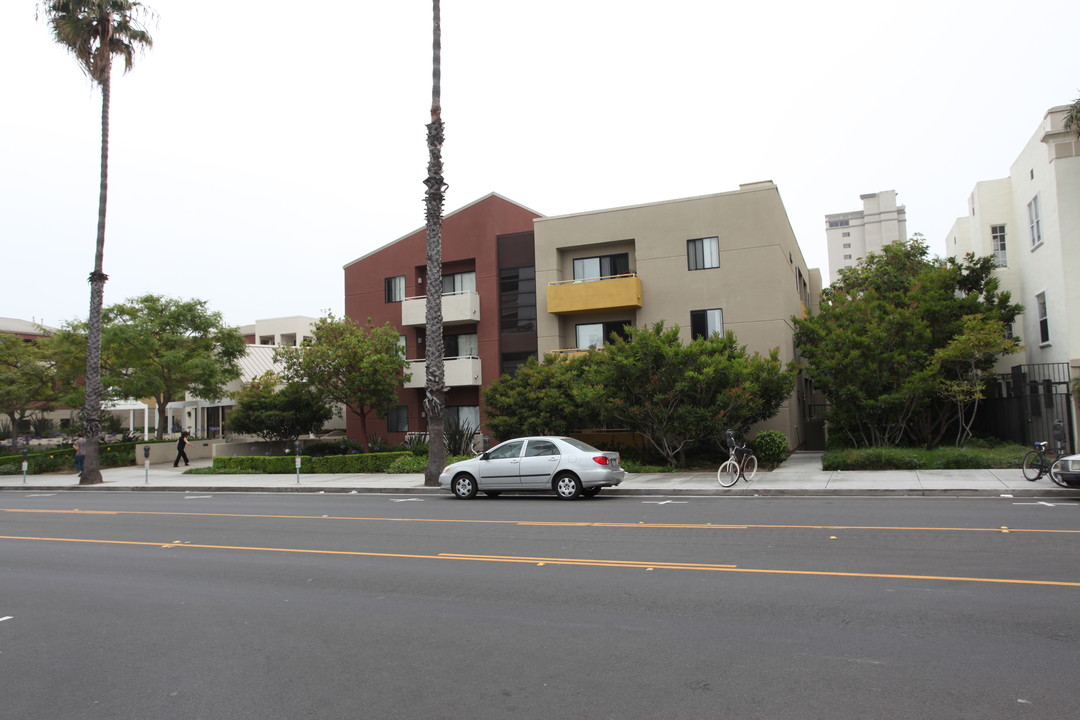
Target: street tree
(163, 348)
(681, 396)
(277, 412)
(434, 372)
(870, 348)
(28, 379)
(95, 31)
(360, 367)
(539, 399)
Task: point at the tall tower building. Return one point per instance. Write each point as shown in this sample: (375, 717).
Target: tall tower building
(851, 235)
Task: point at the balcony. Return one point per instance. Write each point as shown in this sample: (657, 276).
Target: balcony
(458, 372)
(574, 297)
(457, 309)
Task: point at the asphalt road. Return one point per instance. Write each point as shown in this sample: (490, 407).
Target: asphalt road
(126, 606)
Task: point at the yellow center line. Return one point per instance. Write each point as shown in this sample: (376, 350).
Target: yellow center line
(586, 562)
(541, 523)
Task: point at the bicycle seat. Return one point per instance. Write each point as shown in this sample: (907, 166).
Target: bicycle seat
(1042, 446)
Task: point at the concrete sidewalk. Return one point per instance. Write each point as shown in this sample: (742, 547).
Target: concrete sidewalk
(801, 475)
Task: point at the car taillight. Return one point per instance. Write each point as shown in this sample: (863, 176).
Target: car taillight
(600, 460)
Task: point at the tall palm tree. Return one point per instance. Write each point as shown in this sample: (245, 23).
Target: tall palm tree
(94, 31)
(435, 395)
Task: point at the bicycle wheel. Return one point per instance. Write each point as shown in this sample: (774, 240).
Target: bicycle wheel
(728, 474)
(1055, 475)
(749, 467)
(1033, 466)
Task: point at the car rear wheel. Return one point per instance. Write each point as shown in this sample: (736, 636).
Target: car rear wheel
(568, 487)
(464, 487)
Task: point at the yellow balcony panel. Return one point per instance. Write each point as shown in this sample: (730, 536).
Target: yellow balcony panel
(457, 309)
(457, 371)
(573, 297)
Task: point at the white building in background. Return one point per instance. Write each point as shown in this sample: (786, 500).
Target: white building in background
(851, 235)
(1030, 222)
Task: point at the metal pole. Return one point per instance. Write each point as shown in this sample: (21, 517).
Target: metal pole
(25, 463)
(296, 447)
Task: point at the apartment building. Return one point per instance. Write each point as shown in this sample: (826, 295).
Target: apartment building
(1029, 222)
(851, 235)
(517, 284)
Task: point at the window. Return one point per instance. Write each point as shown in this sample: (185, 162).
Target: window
(506, 451)
(541, 448)
(1044, 321)
(703, 253)
(997, 241)
(703, 323)
(464, 414)
(517, 300)
(596, 334)
(464, 282)
(395, 289)
(511, 361)
(397, 420)
(847, 257)
(847, 245)
(594, 268)
(402, 346)
(1035, 221)
(846, 233)
(464, 345)
(839, 223)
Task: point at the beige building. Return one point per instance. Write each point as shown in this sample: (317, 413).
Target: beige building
(707, 264)
(851, 235)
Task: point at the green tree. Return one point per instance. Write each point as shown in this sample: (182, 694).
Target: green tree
(359, 367)
(966, 363)
(678, 396)
(539, 399)
(163, 348)
(276, 412)
(94, 31)
(1072, 118)
(28, 379)
(870, 349)
(434, 372)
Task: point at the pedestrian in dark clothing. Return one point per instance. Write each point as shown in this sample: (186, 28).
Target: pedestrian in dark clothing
(181, 444)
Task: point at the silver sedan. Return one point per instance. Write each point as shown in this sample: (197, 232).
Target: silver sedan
(564, 465)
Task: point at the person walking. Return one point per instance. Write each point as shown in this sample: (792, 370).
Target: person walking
(181, 445)
(80, 452)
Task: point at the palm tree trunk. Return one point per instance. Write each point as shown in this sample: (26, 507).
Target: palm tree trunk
(435, 395)
(92, 409)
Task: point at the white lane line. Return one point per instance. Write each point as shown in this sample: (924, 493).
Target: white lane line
(407, 500)
(198, 497)
(663, 502)
(5, 618)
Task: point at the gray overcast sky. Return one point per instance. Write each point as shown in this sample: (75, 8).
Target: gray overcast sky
(259, 147)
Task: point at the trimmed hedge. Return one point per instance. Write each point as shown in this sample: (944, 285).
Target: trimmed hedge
(286, 464)
(109, 455)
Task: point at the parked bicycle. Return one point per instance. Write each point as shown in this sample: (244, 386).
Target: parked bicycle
(1040, 460)
(741, 463)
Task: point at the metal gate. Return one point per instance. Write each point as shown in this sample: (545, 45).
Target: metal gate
(1025, 403)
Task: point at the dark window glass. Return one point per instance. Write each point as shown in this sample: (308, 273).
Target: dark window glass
(517, 300)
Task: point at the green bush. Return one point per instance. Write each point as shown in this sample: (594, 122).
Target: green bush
(633, 466)
(343, 446)
(770, 447)
(408, 464)
(258, 464)
(369, 463)
(329, 464)
(63, 458)
(978, 457)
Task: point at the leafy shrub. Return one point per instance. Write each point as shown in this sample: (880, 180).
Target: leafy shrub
(42, 427)
(369, 463)
(360, 463)
(633, 466)
(63, 458)
(408, 464)
(771, 447)
(333, 447)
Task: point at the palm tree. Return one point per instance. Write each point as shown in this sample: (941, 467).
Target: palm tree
(94, 31)
(435, 396)
(1072, 118)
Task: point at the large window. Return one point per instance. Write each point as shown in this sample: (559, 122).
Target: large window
(1044, 319)
(596, 334)
(1035, 221)
(511, 361)
(395, 288)
(464, 282)
(397, 420)
(602, 266)
(462, 414)
(517, 300)
(997, 241)
(704, 323)
(703, 253)
(464, 345)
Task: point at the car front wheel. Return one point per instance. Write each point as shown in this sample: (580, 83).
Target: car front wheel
(464, 487)
(568, 487)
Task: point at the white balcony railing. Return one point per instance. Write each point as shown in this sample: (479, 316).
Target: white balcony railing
(457, 371)
(457, 309)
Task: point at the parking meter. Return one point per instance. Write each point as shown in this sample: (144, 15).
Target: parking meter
(296, 447)
(146, 462)
(25, 463)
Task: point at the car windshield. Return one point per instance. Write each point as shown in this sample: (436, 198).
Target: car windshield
(582, 446)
